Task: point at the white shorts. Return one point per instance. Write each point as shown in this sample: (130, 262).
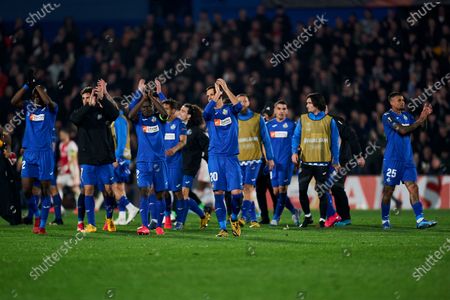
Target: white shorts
(65, 180)
(203, 173)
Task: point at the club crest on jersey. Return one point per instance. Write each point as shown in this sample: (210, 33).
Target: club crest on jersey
(150, 129)
(153, 119)
(189, 132)
(285, 125)
(173, 126)
(405, 118)
(99, 116)
(37, 118)
(224, 122)
(224, 111)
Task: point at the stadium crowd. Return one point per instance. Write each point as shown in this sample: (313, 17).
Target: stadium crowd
(355, 64)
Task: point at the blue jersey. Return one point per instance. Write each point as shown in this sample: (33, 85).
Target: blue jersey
(281, 137)
(172, 132)
(398, 146)
(150, 136)
(39, 126)
(223, 128)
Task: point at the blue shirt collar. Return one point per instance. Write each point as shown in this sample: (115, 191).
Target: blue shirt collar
(319, 116)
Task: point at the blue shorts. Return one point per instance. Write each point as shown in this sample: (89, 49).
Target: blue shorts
(152, 174)
(188, 181)
(395, 172)
(225, 173)
(122, 172)
(38, 164)
(281, 175)
(175, 178)
(97, 175)
(250, 172)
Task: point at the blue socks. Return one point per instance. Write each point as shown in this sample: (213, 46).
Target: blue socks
(385, 208)
(221, 210)
(81, 208)
(168, 205)
(418, 211)
(143, 210)
(280, 206)
(246, 206)
(161, 205)
(180, 210)
(236, 203)
(90, 209)
(185, 205)
(123, 202)
(330, 208)
(46, 203)
(57, 205)
(109, 206)
(195, 208)
(154, 207)
(33, 207)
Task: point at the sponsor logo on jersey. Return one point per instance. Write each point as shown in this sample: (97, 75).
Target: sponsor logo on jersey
(224, 122)
(150, 129)
(169, 136)
(279, 134)
(37, 118)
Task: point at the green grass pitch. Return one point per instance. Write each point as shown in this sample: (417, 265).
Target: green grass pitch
(358, 262)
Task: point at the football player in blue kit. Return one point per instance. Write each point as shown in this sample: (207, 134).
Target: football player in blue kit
(223, 164)
(253, 136)
(151, 168)
(281, 129)
(38, 160)
(174, 142)
(398, 162)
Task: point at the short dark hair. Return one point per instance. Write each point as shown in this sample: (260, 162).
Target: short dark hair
(281, 101)
(210, 87)
(172, 103)
(64, 129)
(317, 100)
(393, 94)
(242, 95)
(85, 90)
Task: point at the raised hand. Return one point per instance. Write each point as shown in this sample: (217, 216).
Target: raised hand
(218, 92)
(141, 86)
(158, 86)
(100, 89)
(93, 98)
(426, 111)
(222, 83)
(30, 80)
